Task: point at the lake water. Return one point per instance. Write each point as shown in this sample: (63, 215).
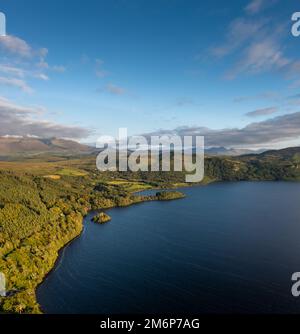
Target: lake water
(226, 247)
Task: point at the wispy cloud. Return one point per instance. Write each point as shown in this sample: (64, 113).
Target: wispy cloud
(42, 76)
(19, 47)
(17, 120)
(262, 96)
(59, 68)
(256, 6)
(100, 71)
(238, 33)
(16, 46)
(262, 112)
(114, 89)
(293, 97)
(20, 61)
(260, 56)
(184, 101)
(12, 70)
(16, 77)
(255, 43)
(19, 83)
(270, 131)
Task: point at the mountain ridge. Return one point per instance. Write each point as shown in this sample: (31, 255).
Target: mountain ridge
(11, 146)
(33, 145)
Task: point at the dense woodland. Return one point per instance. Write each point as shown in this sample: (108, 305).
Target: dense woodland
(43, 202)
(38, 216)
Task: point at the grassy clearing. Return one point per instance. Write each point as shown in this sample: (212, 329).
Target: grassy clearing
(52, 177)
(130, 186)
(71, 172)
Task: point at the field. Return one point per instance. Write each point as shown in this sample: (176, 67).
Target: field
(44, 199)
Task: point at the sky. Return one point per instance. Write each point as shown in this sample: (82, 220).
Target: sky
(228, 70)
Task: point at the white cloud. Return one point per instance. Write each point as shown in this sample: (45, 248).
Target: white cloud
(16, 45)
(113, 89)
(238, 34)
(262, 112)
(12, 70)
(18, 120)
(100, 71)
(59, 68)
(15, 77)
(43, 52)
(42, 76)
(256, 6)
(255, 44)
(267, 95)
(17, 109)
(21, 61)
(260, 56)
(19, 47)
(43, 64)
(273, 130)
(19, 83)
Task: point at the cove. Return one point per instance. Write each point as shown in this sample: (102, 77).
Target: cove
(226, 247)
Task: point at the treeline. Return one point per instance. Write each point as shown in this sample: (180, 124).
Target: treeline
(39, 215)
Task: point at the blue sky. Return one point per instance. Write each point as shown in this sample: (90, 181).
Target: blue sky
(87, 68)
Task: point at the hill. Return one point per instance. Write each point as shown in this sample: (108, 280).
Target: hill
(42, 202)
(223, 151)
(12, 146)
(290, 153)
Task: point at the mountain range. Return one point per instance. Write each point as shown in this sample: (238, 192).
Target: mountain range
(32, 145)
(231, 151)
(19, 146)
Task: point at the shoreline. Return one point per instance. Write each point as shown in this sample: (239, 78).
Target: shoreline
(56, 262)
(91, 212)
(145, 199)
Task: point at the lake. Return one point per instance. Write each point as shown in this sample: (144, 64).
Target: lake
(226, 247)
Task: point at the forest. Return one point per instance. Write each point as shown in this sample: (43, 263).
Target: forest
(43, 201)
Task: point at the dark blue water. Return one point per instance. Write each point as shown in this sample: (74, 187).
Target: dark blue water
(227, 247)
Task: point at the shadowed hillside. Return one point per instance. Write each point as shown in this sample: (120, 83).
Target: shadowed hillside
(13, 146)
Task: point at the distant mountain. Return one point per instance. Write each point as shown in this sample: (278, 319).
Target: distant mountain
(271, 165)
(290, 153)
(31, 145)
(213, 151)
(19, 146)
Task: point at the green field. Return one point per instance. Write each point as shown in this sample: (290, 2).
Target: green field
(43, 202)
